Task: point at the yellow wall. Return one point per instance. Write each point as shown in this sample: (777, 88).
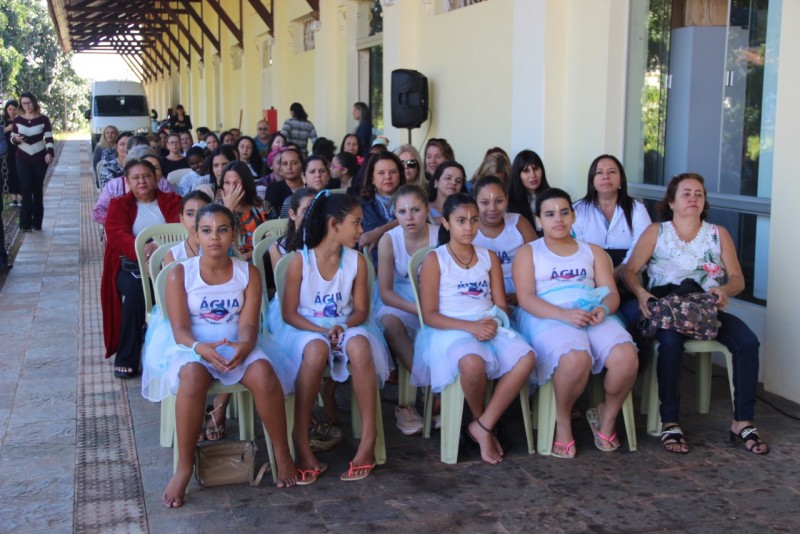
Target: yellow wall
(782, 365)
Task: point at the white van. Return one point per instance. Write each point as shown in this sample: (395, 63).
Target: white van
(121, 104)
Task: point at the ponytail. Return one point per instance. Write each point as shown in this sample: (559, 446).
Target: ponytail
(325, 206)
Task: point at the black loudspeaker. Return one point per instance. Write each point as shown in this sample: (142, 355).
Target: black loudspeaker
(409, 98)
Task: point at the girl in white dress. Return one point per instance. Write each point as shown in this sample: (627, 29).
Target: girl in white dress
(501, 232)
(325, 307)
(462, 294)
(213, 302)
(189, 247)
(567, 294)
(396, 308)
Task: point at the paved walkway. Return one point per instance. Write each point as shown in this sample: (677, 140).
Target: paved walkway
(80, 450)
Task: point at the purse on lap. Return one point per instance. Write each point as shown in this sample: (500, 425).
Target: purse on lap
(685, 310)
(231, 462)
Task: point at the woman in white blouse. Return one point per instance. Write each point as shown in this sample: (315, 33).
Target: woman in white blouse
(607, 216)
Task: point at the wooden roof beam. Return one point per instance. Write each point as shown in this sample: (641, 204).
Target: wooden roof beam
(183, 28)
(264, 13)
(236, 31)
(199, 21)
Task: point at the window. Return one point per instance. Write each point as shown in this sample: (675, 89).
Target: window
(120, 106)
(700, 76)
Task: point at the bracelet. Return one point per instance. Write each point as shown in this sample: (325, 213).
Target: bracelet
(605, 308)
(194, 348)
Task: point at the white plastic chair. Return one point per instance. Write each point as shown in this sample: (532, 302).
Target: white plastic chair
(174, 177)
(703, 350)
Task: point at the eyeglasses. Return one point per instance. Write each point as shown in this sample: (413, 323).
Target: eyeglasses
(411, 164)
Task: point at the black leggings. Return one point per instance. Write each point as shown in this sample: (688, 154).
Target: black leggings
(31, 182)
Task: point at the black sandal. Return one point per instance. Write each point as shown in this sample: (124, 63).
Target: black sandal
(673, 435)
(750, 434)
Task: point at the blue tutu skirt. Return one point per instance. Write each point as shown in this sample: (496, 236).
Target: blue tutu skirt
(163, 358)
(295, 340)
(551, 339)
(274, 317)
(410, 320)
(437, 353)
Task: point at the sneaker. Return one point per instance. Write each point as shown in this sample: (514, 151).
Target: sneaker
(408, 420)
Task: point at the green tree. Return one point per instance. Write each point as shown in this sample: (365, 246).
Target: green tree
(31, 60)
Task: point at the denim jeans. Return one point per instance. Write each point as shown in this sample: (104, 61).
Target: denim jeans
(743, 345)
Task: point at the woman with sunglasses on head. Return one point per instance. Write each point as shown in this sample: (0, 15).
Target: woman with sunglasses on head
(412, 164)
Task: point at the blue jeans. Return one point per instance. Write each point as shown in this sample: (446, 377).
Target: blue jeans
(743, 345)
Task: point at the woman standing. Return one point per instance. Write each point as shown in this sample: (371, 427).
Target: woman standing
(299, 129)
(363, 115)
(9, 113)
(33, 136)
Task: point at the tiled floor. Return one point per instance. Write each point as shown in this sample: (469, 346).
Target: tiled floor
(80, 450)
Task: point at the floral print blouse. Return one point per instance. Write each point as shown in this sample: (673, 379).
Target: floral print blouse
(675, 260)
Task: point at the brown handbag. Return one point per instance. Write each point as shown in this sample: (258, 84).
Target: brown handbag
(230, 462)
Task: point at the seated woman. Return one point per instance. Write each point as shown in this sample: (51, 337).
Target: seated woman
(106, 146)
(566, 295)
(384, 176)
(174, 160)
(448, 179)
(607, 216)
(118, 187)
(686, 246)
(316, 175)
(495, 163)
(502, 233)
(528, 179)
(437, 151)
(141, 207)
(344, 168)
(412, 163)
(114, 162)
(195, 347)
(248, 154)
(199, 175)
(239, 196)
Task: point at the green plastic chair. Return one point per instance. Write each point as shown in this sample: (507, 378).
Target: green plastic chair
(243, 396)
(160, 233)
(545, 418)
(704, 351)
(157, 259)
(273, 228)
(453, 395)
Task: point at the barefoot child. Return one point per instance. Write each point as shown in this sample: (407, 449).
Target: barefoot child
(461, 288)
(566, 294)
(213, 302)
(325, 306)
(398, 311)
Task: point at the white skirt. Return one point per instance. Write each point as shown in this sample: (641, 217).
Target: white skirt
(163, 358)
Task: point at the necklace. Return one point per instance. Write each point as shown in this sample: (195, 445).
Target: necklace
(463, 264)
(190, 248)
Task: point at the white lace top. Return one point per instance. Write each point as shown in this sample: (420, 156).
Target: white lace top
(675, 260)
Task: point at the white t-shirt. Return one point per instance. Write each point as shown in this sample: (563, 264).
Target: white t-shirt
(147, 214)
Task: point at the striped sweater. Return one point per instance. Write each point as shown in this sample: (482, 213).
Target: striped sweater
(38, 138)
